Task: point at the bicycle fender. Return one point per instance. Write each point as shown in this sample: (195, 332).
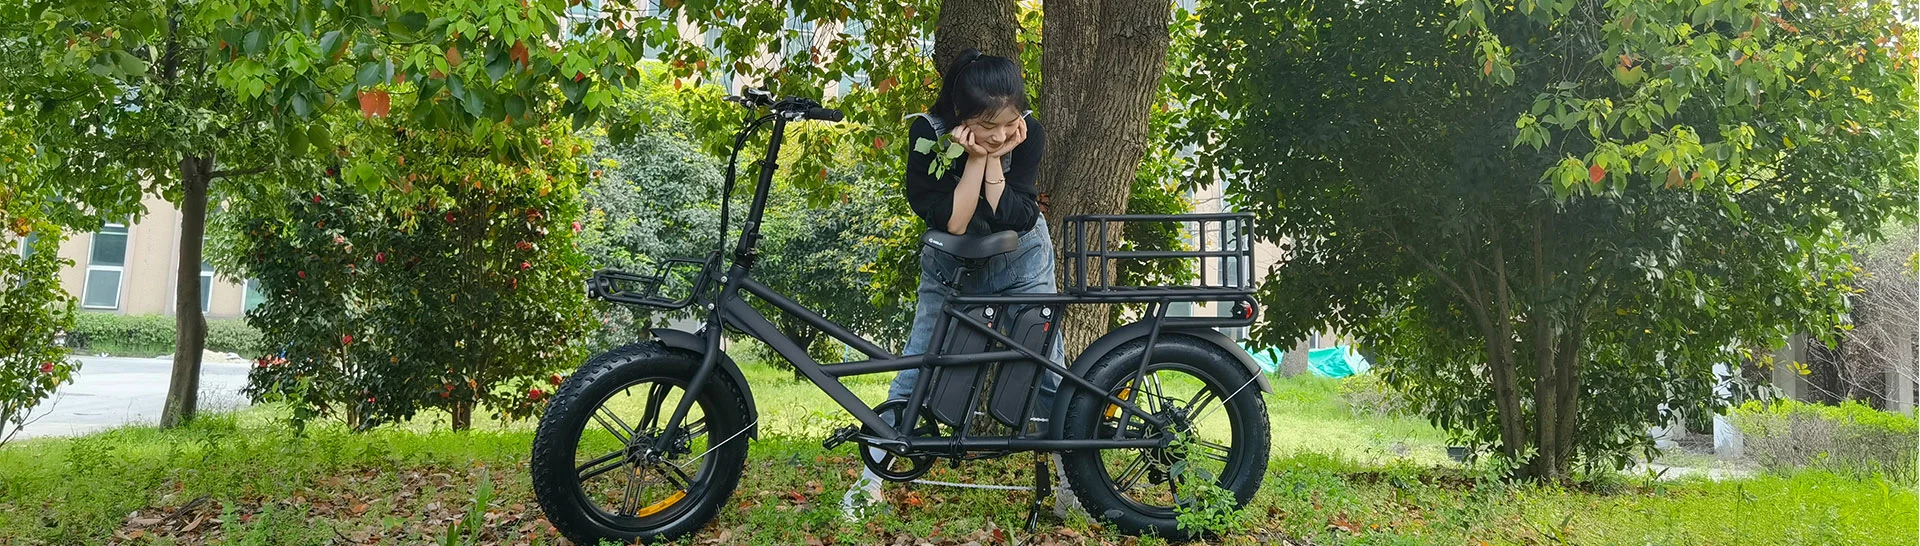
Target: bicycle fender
(683, 340)
(1140, 330)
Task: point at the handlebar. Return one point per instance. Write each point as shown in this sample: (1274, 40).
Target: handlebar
(824, 114)
(789, 107)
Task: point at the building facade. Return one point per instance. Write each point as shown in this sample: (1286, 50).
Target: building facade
(130, 268)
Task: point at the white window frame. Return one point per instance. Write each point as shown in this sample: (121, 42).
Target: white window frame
(206, 287)
(120, 277)
(250, 286)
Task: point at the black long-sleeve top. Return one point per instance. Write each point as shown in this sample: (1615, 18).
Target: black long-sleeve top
(932, 198)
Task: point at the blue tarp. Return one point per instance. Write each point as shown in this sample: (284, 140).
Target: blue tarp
(1269, 358)
(1337, 361)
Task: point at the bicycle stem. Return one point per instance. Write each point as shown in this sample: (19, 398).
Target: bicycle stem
(744, 254)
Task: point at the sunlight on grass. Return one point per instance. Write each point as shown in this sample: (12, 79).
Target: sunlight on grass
(1337, 476)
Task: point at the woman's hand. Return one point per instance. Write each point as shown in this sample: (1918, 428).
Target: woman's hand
(1019, 136)
(964, 136)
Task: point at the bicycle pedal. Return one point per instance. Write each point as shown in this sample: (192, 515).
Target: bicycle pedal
(840, 436)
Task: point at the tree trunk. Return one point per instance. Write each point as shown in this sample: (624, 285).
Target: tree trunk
(987, 25)
(1547, 461)
(1570, 359)
(190, 326)
(462, 415)
(1101, 70)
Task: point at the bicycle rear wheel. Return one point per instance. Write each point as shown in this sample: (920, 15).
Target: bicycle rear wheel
(1200, 391)
(595, 471)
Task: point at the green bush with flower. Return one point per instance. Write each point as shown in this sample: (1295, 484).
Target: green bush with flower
(457, 288)
(34, 312)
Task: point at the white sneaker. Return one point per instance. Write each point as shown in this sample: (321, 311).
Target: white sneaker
(1064, 503)
(863, 499)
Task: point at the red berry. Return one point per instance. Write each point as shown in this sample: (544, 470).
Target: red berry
(346, 339)
(379, 257)
(316, 198)
(554, 379)
(576, 227)
(371, 400)
(47, 367)
(449, 217)
(303, 274)
(523, 246)
(534, 393)
(525, 266)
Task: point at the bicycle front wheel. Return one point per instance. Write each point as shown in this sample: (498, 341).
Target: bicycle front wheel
(596, 472)
(1200, 391)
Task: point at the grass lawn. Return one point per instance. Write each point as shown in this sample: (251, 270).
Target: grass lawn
(1336, 478)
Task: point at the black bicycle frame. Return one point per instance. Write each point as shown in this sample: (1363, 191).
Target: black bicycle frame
(727, 308)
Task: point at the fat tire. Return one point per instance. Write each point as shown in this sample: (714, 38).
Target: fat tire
(553, 465)
(1247, 463)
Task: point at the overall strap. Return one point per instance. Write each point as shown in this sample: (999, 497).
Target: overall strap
(939, 125)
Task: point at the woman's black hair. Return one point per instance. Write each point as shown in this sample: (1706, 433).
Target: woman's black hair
(978, 83)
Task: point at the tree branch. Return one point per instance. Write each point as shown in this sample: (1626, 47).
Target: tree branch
(241, 172)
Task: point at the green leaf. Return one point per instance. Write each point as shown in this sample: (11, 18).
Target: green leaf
(132, 66)
(498, 65)
(414, 21)
(456, 88)
(300, 106)
(329, 43)
(922, 145)
(297, 140)
(254, 41)
(317, 136)
(369, 74)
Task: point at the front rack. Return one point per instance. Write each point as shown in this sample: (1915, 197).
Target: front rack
(673, 284)
(1221, 252)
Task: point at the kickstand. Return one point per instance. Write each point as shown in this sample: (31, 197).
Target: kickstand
(1042, 488)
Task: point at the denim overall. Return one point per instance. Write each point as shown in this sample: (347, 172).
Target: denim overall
(1026, 270)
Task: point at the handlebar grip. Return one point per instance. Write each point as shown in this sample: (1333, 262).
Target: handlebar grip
(824, 114)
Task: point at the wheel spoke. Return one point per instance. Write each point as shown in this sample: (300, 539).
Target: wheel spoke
(1159, 396)
(655, 397)
(696, 429)
(601, 465)
(631, 504)
(1200, 403)
(613, 424)
(675, 476)
(1133, 472)
(1212, 450)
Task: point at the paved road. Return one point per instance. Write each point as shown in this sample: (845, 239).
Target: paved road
(109, 392)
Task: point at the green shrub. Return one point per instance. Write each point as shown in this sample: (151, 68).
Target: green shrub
(33, 310)
(153, 335)
(1850, 437)
(1368, 395)
(233, 336)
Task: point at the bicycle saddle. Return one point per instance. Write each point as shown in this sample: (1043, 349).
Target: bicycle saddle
(972, 247)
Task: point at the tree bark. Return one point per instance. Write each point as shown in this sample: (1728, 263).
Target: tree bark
(990, 26)
(1570, 359)
(462, 416)
(1110, 54)
(1546, 385)
(1506, 386)
(190, 326)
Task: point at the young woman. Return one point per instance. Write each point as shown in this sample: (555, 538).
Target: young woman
(990, 188)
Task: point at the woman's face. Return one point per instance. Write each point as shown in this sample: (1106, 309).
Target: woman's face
(993, 127)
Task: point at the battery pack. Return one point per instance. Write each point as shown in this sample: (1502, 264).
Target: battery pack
(1013, 383)
(953, 387)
